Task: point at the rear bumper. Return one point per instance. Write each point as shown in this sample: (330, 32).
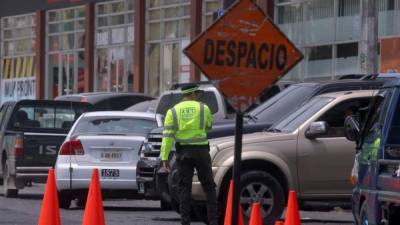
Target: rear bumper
(38, 174)
(81, 176)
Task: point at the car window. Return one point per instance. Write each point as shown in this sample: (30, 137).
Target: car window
(114, 125)
(294, 120)
(47, 117)
(373, 127)
(335, 116)
(394, 133)
(282, 104)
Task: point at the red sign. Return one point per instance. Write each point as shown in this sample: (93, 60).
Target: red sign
(243, 53)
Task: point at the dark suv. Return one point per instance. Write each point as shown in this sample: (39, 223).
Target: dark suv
(376, 196)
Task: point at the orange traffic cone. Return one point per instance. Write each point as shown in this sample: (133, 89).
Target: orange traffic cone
(278, 222)
(292, 212)
(94, 213)
(228, 211)
(255, 217)
(50, 212)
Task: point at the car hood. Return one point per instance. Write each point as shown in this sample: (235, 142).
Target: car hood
(229, 142)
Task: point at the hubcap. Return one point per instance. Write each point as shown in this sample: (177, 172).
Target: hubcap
(257, 192)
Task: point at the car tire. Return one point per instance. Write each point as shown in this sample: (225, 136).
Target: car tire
(64, 199)
(165, 206)
(259, 186)
(364, 214)
(8, 192)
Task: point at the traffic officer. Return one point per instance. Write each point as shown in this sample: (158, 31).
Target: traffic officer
(186, 124)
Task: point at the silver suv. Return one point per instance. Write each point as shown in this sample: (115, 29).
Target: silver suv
(306, 152)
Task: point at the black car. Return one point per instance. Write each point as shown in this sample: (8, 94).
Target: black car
(31, 132)
(106, 101)
(259, 119)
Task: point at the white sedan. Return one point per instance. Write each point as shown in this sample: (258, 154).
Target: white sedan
(108, 141)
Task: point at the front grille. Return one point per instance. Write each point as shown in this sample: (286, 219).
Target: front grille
(154, 141)
(146, 172)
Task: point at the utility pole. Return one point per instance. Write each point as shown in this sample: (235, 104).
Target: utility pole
(238, 155)
(369, 37)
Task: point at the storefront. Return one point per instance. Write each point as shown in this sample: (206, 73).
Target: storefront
(18, 58)
(57, 47)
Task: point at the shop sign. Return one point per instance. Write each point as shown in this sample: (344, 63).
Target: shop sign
(16, 89)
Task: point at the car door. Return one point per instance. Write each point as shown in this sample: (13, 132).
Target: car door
(325, 162)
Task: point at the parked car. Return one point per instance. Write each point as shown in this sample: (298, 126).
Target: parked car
(108, 141)
(105, 101)
(376, 194)
(31, 131)
(306, 152)
(260, 118)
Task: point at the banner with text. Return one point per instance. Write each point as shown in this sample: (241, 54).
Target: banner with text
(16, 89)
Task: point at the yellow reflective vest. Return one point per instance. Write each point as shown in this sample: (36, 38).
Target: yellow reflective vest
(186, 123)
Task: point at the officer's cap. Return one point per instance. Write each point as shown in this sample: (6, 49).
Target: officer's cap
(189, 88)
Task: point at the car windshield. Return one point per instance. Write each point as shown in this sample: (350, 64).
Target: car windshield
(114, 125)
(282, 104)
(46, 116)
(294, 120)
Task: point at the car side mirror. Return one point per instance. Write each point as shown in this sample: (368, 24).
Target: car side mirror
(316, 129)
(351, 128)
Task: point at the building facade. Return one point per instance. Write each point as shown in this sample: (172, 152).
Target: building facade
(56, 47)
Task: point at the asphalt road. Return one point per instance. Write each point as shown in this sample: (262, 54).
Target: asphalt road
(25, 209)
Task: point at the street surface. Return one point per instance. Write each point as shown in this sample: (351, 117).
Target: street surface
(25, 209)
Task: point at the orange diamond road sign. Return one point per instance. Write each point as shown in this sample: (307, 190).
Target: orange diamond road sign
(243, 53)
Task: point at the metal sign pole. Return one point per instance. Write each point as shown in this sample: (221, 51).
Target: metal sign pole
(237, 168)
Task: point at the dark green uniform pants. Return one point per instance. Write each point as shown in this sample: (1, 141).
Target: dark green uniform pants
(188, 158)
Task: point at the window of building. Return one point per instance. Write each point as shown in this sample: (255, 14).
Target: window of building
(65, 51)
(210, 11)
(322, 30)
(168, 33)
(319, 62)
(389, 15)
(114, 46)
(346, 61)
(18, 57)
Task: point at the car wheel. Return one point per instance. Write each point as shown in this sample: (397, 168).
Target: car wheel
(364, 214)
(262, 187)
(8, 192)
(64, 199)
(164, 205)
(173, 188)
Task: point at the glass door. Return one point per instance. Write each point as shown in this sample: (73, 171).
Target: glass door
(114, 69)
(170, 62)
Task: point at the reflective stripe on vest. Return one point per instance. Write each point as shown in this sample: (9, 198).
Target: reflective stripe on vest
(168, 135)
(175, 118)
(201, 116)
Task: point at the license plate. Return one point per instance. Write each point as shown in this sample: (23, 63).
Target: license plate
(110, 173)
(111, 156)
(141, 188)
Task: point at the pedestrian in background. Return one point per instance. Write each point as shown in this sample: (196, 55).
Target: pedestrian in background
(186, 124)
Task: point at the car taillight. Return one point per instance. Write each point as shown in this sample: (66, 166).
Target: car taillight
(72, 147)
(18, 148)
